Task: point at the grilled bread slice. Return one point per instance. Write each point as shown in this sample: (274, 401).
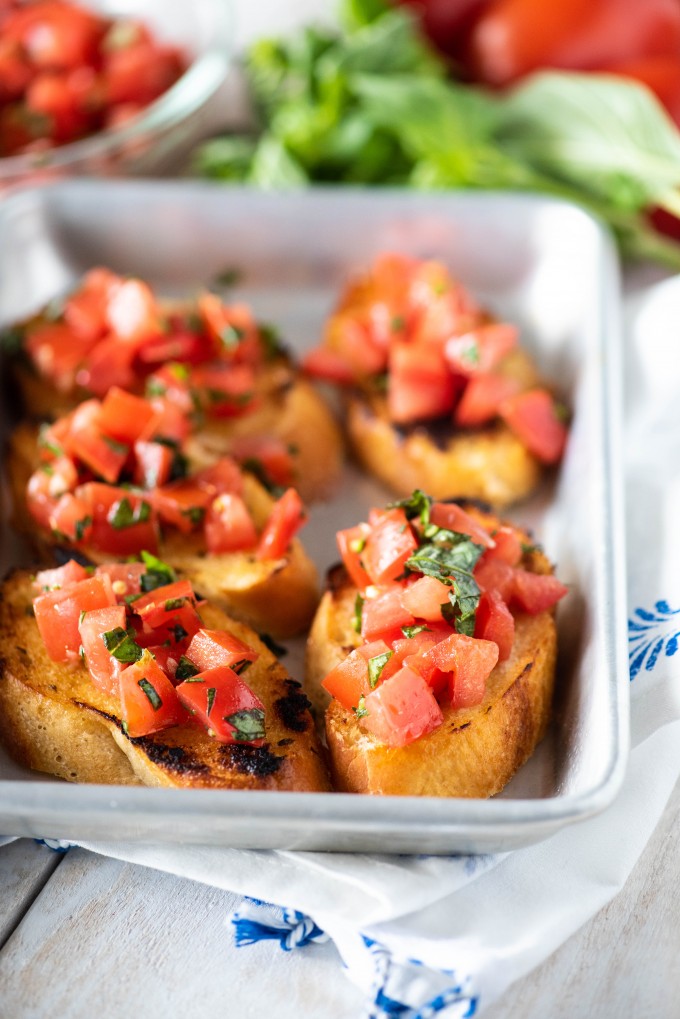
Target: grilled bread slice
(477, 750)
(278, 596)
(53, 719)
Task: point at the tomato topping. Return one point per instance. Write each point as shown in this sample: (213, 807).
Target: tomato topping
(388, 546)
(104, 455)
(454, 518)
(229, 526)
(420, 384)
(182, 503)
(265, 456)
(132, 313)
(47, 485)
(153, 464)
(351, 543)
(171, 422)
(104, 668)
(123, 522)
(470, 662)
(108, 363)
(495, 575)
(348, 680)
(507, 546)
(150, 702)
(535, 592)
(384, 613)
(425, 597)
(210, 649)
(224, 389)
(227, 707)
(57, 352)
(57, 614)
(481, 349)
(125, 417)
(481, 398)
(125, 578)
(494, 621)
(223, 476)
(401, 709)
(50, 580)
(285, 520)
(71, 518)
(533, 418)
(327, 365)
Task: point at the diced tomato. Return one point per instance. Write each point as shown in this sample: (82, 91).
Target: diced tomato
(84, 315)
(224, 389)
(232, 328)
(351, 543)
(425, 597)
(109, 363)
(222, 477)
(495, 575)
(507, 547)
(384, 613)
(125, 417)
(168, 656)
(285, 520)
(210, 649)
(153, 463)
(123, 522)
(57, 352)
(536, 592)
(61, 576)
(420, 384)
(481, 349)
(229, 526)
(183, 346)
(348, 680)
(103, 455)
(494, 621)
(352, 340)
(132, 312)
(150, 702)
(412, 652)
(385, 661)
(481, 398)
(172, 382)
(401, 709)
(47, 485)
(454, 518)
(125, 578)
(71, 518)
(172, 422)
(265, 454)
(183, 503)
(328, 365)
(57, 614)
(470, 663)
(388, 546)
(225, 705)
(532, 417)
(155, 607)
(103, 667)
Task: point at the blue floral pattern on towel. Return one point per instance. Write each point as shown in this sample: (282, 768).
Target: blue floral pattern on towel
(651, 634)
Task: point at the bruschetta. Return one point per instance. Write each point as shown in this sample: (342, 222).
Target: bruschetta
(117, 476)
(210, 360)
(433, 652)
(122, 675)
(440, 396)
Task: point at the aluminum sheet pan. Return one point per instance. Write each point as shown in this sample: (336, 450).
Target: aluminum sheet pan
(540, 262)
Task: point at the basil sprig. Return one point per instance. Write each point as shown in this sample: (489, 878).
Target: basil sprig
(451, 557)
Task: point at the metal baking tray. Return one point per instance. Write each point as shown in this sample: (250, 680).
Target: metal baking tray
(541, 262)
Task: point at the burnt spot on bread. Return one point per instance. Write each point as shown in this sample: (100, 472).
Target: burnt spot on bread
(293, 709)
(337, 578)
(174, 759)
(256, 761)
(459, 728)
(97, 711)
(285, 742)
(62, 554)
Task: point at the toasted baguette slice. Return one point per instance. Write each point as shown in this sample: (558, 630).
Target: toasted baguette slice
(276, 596)
(289, 409)
(488, 463)
(477, 750)
(53, 719)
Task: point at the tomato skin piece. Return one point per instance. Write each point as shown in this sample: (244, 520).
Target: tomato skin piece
(453, 517)
(228, 525)
(470, 662)
(481, 398)
(494, 621)
(536, 592)
(125, 417)
(384, 613)
(531, 416)
(425, 597)
(210, 649)
(61, 576)
(230, 696)
(285, 520)
(350, 544)
(103, 667)
(84, 315)
(160, 708)
(402, 709)
(57, 614)
(388, 546)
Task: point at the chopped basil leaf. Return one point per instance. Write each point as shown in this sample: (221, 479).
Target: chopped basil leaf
(357, 545)
(194, 679)
(115, 445)
(376, 666)
(231, 336)
(81, 526)
(271, 340)
(45, 443)
(151, 693)
(122, 515)
(411, 631)
(179, 371)
(174, 603)
(47, 469)
(195, 514)
(12, 341)
(211, 698)
(451, 557)
(358, 610)
(154, 387)
(361, 710)
(124, 726)
(259, 471)
(529, 549)
(397, 324)
(178, 632)
(278, 649)
(158, 573)
(186, 668)
(248, 724)
(240, 667)
(121, 645)
(417, 505)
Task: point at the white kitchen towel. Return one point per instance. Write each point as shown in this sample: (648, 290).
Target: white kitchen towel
(426, 936)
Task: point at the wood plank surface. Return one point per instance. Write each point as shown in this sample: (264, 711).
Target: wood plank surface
(25, 867)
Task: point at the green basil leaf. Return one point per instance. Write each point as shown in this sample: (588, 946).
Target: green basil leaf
(158, 573)
(376, 666)
(121, 645)
(151, 693)
(248, 724)
(186, 669)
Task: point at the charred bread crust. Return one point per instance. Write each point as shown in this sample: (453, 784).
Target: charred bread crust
(53, 719)
(277, 596)
(477, 750)
(488, 463)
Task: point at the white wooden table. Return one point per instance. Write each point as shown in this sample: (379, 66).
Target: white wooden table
(83, 935)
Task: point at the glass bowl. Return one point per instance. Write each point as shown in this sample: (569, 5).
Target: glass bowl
(147, 144)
